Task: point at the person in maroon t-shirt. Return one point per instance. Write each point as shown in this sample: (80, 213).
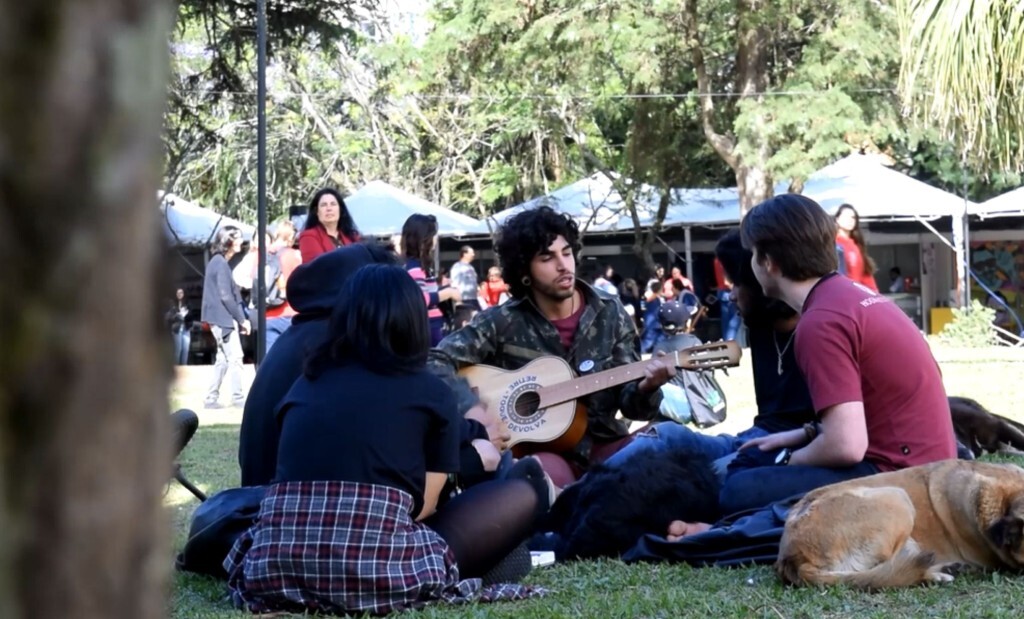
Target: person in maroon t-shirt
(873, 381)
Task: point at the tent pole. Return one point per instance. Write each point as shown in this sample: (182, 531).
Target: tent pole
(966, 250)
(261, 179)
(689, 252)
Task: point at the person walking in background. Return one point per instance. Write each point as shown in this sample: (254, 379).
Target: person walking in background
(223, 311)
(855, 262)
(419, 237)
(464, 277)
(181, 327)
(328, 226)
(730, 318)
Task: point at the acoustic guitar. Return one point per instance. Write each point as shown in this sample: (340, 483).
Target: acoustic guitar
(538, 401)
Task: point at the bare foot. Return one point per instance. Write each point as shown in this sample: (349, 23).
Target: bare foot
(678, 529)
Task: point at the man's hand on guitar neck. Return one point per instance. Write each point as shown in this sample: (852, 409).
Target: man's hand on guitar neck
(497, 431)
(657, 372)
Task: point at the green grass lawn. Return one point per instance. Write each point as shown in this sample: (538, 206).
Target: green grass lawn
(613, 589)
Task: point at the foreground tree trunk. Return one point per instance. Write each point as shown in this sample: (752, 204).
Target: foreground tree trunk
(84, 366)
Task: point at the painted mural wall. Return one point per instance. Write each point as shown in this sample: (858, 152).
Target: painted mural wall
(1000, 265)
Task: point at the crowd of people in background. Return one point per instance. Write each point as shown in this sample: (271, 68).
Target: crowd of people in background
(456, 294)
(453, 296)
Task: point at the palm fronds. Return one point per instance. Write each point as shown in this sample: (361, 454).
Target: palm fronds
(963, 72)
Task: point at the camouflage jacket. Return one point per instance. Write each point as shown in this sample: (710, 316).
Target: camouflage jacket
(511, 335)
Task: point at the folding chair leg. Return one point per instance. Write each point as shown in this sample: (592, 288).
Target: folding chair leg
(178, 475)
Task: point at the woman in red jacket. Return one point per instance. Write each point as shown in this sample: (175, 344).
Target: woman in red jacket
(328, 226)
(855, 262)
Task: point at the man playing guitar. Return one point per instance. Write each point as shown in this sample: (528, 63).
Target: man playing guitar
(553, 314)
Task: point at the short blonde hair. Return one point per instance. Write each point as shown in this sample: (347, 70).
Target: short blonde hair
(285, 231)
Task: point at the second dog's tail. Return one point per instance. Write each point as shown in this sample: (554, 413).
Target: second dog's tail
(907, 568)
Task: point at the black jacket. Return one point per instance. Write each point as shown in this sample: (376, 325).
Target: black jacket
(312, 291)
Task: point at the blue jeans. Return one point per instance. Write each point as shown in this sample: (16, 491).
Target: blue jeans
(756, 487)
(730, 317)
(275, 327)
(670, 436)
(182, 342)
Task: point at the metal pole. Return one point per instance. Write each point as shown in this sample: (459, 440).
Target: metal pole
(689, 253)
(261, 177)
(966, 247)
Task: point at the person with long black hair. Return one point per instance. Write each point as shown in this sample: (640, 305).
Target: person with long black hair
(328, 226)
(855, 262)
(368, 437)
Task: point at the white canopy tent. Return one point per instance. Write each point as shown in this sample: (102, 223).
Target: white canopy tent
(595, 204)
(1009, 204)
(380, 209)
(188, 224)
(878, 192)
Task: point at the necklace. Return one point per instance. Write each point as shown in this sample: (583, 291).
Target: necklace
(780, 353)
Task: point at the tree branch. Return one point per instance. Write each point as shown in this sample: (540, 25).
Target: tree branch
(724, 145)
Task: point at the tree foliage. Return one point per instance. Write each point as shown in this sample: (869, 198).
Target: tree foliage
(963, 71)
(505, 100)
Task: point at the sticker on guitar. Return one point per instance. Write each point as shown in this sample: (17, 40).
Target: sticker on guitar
(519, 406)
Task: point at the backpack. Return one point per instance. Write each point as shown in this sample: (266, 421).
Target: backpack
(271, 275)
(704, 395)
(216, 524)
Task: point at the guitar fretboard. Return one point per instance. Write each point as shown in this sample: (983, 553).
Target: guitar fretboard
(592, 383)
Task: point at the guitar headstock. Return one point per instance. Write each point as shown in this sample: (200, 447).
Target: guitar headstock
(709, 356)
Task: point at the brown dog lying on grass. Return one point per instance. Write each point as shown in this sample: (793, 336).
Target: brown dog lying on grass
(907, 527)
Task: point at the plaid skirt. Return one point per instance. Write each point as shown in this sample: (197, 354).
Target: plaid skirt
(343, 547)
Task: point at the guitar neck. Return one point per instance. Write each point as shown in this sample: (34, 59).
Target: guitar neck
(592, 383)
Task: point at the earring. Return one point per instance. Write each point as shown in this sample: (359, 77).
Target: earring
(526, 281)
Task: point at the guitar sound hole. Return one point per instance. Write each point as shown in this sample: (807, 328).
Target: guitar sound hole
(527, 403)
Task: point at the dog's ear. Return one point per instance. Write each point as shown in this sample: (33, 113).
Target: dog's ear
(1007, 532)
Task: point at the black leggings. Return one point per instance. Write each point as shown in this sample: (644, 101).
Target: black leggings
(486, 522)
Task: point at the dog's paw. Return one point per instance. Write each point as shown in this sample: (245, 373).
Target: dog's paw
(938, 575)
(955, 569)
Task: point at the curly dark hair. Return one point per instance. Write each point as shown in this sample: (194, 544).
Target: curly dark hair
(527, 234)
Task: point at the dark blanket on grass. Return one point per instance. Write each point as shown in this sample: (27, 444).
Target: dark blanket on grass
(746, 538)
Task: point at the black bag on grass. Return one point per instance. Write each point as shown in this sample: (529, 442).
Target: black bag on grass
(216, 524)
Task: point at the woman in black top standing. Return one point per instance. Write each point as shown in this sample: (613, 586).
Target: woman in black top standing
(179, 319)
(368, 438)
